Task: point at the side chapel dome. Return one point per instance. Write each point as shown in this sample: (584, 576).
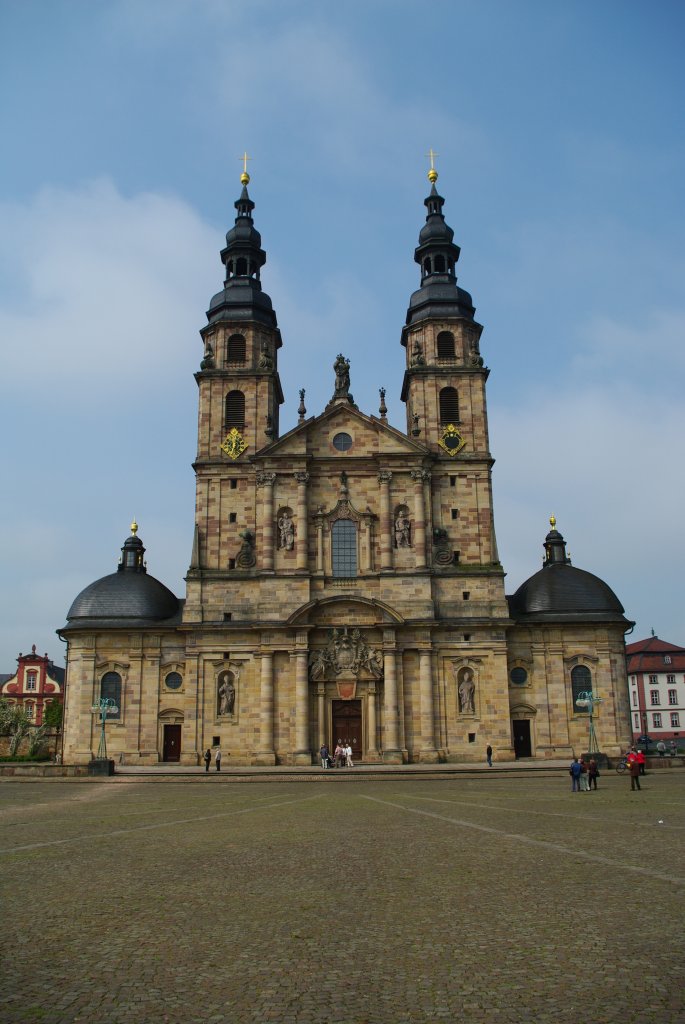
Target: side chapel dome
(127, 597)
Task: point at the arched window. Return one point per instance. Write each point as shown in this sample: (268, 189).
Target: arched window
(344, 548)
(581, 682)
(445, 345)
(426, 266)
(110, 686)
(241, 267)
(449, 406)
(235, 410)
(235, 349)
(439, 264)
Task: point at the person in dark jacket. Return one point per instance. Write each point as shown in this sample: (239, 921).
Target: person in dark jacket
(634, 769)
(207, 757)
(574, 772)
(488, 755)
(592, 773)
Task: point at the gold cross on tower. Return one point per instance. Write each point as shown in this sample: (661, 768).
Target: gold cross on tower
(245, 177)
(432, 174)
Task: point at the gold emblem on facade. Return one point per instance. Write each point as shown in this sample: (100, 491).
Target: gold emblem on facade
(234, 443)
(451, 440)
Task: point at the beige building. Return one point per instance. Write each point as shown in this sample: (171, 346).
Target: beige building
(344, 582)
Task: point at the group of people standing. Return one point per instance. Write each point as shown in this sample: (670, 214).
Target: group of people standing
(584, 775)
(342, 756)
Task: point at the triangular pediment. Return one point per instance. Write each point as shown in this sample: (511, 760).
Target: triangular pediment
(369, 436)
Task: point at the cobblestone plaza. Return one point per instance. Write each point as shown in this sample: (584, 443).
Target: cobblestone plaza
(479, 898)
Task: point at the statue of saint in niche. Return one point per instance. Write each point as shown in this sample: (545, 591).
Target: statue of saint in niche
(467, 692)
(402, 529)
(286, 532)
(226, 694)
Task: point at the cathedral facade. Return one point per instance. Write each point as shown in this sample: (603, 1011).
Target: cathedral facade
(344, 582)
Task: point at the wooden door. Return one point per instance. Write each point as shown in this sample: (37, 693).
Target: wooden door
(521, 729)
(347, 726)
(171, 750)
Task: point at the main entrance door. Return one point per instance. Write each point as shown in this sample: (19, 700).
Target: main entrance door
(521, 730)
(171, 750)
(347, 725)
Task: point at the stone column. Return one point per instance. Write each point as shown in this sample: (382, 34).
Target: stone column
(266, 480)
(266, 753)
(302, 754)
(391, 748)
(319, 542)
(372, 751)
(302, 552)
(321, 692)
(428, 751)
(384, 478)
(418, 476)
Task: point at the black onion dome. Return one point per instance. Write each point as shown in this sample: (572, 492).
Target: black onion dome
(242, 297)
(127, 597)
(437, 255)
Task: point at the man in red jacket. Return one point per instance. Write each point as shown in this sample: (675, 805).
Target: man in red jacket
(641, 760)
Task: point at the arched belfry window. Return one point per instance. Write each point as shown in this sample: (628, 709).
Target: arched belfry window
(241, 267)
(235, 349)
(445, 345)
(235, 410)
(581, 682)
(344, 547)
(110, 686)
(449, 406)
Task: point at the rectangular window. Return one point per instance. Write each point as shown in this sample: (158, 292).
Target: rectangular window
(466, 594)
(670, 680)
(30, 709)
(672, 696)
(636, 721)
(667, 659)
(231, 563)
(634, 698)
(31, 678)
(653, 680)
(232, 517)
(654, 698)
(453, 481)
(656, 720)
(467, 637)
(344, 548)
(675, 720)
(233, 484)
(455, 513)
(455, 557)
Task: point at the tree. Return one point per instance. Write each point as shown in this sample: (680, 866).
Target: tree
(14, 722)
(52, 715)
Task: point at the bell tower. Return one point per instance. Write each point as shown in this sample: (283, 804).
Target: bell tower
(444, 392)
(239, 395)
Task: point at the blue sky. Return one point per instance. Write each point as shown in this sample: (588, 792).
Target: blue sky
(562, 161)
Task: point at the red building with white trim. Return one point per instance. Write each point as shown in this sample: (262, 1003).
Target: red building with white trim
(656, 681)
(36, 683)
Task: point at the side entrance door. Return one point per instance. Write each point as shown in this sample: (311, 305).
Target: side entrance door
(521, 730)
(347, 726)
(171, 750)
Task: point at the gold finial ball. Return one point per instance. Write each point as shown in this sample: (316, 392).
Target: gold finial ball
(553, 521)
(244, 178)
(134, 527)
(432, 175)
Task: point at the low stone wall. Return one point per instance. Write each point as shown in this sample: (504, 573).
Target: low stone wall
(51, 744)
(43, 770)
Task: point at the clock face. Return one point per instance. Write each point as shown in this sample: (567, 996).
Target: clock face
(234, 444)
(451, 440)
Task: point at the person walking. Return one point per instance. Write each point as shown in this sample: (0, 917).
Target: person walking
(488, 755)
(674, 749)
(641, 760)
(324, 755)
(348, 755)
(592, 773)
(207, 757)
(661, 748)
(634, 769)
(574, 772)
(217, 758)
(338, 756)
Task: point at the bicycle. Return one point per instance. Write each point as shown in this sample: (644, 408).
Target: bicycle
(622, 765)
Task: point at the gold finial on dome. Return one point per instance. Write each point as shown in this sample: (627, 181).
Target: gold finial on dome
(553, 521)
(432, 174)
(245, 177)
(134, 527)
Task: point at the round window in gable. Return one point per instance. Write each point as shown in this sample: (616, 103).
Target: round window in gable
(173, 681)
(518, 676)
(342, 442)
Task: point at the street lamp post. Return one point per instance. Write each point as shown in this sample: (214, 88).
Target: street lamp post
(101, 765)
(587, 699)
